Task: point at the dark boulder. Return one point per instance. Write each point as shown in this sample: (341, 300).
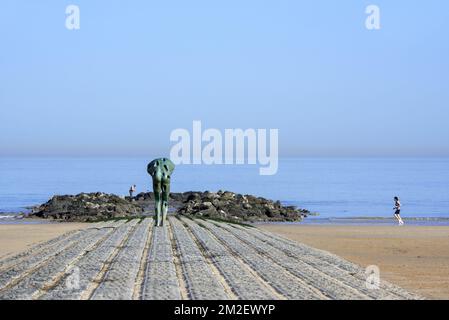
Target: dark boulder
(232, 206)
(221, 205)
(86, 207)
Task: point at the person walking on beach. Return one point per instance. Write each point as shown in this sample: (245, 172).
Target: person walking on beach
(132, 189)
(397, 211)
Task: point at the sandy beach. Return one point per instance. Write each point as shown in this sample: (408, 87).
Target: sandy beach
(15, 238)
(414, 257)
(184, 259)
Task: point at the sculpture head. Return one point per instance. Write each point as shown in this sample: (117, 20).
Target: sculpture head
(163, 165)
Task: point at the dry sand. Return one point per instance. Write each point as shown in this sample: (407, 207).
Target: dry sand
(414, 257)
(15, 238)
(195, 259)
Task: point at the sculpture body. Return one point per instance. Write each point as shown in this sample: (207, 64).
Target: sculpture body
(160, 171)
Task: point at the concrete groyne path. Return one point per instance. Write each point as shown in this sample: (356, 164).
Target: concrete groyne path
(185, 259)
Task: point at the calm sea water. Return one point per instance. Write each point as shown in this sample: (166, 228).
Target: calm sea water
(333, 187)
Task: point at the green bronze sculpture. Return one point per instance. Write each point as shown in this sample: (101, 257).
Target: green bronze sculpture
(160, 170)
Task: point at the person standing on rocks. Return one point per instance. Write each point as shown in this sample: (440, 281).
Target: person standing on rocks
(132, 189)
(160, 171)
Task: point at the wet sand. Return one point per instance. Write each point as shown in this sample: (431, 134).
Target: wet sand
(413, 257)
(15, 238)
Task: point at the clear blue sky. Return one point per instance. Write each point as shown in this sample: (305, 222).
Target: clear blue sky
(138, 69)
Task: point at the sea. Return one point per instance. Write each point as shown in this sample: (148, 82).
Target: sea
(335, 190)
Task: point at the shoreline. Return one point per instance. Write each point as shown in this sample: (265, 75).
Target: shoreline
(414, 257)
(11, 219)
(368, 221)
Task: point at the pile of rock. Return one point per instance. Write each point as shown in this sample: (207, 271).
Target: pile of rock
(223, 205)
(87, 207)
(233, 206)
